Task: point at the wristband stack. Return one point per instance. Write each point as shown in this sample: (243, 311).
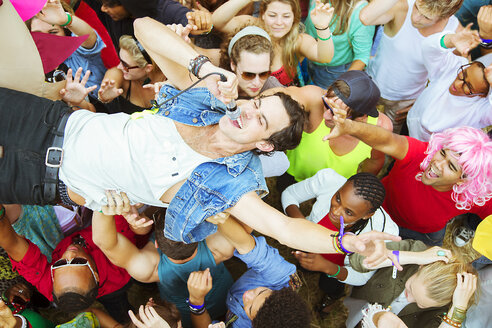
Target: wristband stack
(196, 64)
(451, 322)
(196, 309)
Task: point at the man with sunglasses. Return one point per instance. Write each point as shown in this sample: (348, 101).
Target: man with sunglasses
(78, 274)
(458, 91)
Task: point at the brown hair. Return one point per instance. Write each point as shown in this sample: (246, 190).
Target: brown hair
(256, 44)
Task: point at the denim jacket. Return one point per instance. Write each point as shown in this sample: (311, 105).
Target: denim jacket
(213, 186)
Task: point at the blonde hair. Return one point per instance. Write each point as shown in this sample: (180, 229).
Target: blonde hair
(289, 41)
(441, 280)
(128, 43)
(441, 8)
(342, 10)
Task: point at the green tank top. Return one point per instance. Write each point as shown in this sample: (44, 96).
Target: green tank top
(314, 154)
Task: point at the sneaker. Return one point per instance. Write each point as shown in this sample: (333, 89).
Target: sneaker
(463, 235)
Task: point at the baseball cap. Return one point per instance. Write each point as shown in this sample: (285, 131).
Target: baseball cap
(364, 93)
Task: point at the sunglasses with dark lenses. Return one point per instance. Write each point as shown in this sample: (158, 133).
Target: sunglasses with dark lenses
(126, 66)
(327, 106)
(248, 76)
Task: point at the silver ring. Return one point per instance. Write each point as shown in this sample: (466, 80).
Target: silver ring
(21, 291)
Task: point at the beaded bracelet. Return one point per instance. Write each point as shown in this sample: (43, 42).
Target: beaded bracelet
(450, 322)
(69, 20)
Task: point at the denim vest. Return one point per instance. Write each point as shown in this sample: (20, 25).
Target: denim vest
(213, 186)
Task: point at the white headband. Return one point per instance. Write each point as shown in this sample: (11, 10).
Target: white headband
(248, 30)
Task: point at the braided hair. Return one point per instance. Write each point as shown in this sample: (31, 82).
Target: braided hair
(371, 189)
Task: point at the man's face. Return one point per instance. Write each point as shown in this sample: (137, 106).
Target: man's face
(259, 119)
(469, 82)
(115, 12)
(443, 171)
(71, 277)
(421, 18)
(253, 300)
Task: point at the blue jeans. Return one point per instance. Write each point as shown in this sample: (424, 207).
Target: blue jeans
(430, 239)
(323, 76)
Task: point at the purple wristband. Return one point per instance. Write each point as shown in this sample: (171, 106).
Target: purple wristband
(340, 236)
(397, 253)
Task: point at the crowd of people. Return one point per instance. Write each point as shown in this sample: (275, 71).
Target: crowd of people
(136, 137)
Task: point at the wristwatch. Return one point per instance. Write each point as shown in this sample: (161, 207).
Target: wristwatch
(486, 43)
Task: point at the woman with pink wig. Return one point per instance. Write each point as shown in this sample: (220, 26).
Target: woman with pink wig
(431, 182)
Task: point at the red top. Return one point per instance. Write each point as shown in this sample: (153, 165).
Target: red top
(34, 267)
(415, 206)
(283, 77)
(335, 258)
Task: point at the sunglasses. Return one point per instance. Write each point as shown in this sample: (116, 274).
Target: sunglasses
(127, 67)
(76, 261)
(248, 76)
(327, 106)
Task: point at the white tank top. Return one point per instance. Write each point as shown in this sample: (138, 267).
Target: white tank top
(143, 157)
(398, 68)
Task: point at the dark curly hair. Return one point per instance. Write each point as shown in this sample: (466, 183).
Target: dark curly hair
(283, 308)
(370, 188)
(289, 137)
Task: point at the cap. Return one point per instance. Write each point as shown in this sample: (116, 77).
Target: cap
(364, 93)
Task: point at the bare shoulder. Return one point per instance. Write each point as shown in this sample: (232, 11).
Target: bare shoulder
(385, 122)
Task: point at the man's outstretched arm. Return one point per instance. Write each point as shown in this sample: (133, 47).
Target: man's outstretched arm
(141, 264)
(305, 235)
(376, 137)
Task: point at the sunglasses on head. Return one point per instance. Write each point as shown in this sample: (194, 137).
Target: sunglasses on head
(76, 261)
(126, 66)
(248, 76)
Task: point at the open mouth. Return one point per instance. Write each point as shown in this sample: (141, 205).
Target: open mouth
(432, 173)
(238, 123)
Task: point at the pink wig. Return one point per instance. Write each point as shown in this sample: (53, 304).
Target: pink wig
(475, 149)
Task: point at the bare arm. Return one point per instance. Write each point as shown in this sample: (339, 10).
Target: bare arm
(378, 12)
(377, 137)
(15, 246)
(357, 65)
(375, 163)
(484, 19)
(140, 264)
(53, 13)
(224, 18)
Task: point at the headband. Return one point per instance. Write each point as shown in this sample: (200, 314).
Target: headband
(143, 51)
(248, 30)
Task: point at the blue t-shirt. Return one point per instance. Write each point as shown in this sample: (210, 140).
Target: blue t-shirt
(266, 268)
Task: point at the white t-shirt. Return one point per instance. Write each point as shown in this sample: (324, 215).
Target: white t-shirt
(436, 109)
(322, 186)
(142, 157)
(398, 68)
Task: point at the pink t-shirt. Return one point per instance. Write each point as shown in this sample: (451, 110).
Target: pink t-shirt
(412, 204)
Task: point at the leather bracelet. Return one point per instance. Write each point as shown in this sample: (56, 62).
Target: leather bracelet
(322, 29)
(196, 64)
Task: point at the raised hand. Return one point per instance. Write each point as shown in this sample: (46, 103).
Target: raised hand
(465, 40)
(118, 203)
(149, 318)
(224, 91)
(434, 254)
(465, 289)
(321, 15)
(339, 117)
(199, 284)
(108, 91)
(201, 21)
(53, 13)
(182, 31)
(484, 20)
(137, 220)
(20, 290)
(311, 261)
(75, 91)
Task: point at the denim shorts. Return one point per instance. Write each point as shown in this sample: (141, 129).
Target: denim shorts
(323, 76)
(27, 127)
